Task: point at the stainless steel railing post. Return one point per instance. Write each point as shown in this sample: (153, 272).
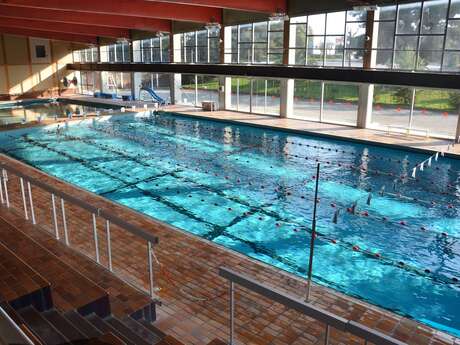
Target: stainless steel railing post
(232, 313)
(326, 335)
(53, 203)
(2, 199)
(23, 195)
(109, 245)
(150, 262)
(31, 203)
(64, 222)
(5, 187)
(96, 242)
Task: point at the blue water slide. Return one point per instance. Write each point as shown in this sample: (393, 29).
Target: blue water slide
(153, 94)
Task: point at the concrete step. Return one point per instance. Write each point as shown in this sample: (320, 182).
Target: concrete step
(68, 329)
(83, 325)
(44, 330)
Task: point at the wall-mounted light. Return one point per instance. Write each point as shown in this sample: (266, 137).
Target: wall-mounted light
(366, 8)
(278, 16)
(213, 26)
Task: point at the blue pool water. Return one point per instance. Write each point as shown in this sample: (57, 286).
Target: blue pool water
(251, 190)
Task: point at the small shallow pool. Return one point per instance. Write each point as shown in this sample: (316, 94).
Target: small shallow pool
(251, 190)
(31, 110)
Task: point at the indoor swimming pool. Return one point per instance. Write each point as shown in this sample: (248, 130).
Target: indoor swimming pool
(383, 236)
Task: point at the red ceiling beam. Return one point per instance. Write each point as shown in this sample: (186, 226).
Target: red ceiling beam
(96, 19)
(89, 30)
(267, 6)
(50, 35)
(137, 8)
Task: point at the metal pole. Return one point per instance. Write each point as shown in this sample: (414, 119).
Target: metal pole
(149, 249)
(96, 244)
(232, 313)
(64, 223)
(109, 246)
(23, 194)
(32, 211)
(1, 191)
(313, 235)
(326, 335)
(56, 230)
(5, 187)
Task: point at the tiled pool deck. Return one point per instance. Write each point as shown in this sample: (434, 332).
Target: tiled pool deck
(195, 298)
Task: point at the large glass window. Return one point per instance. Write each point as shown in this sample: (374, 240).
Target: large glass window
(332, 39)
(200, 46)
(195, 89)
(418, 36)
(118, 83)
(119, 52)
(86, 55)
(307, 99)
(256, 95)
(256, 43)
(340, 103)
(391, 106)
(207, 89)
(417, 111)
(160, 83)
(152, 50)
(90, 82)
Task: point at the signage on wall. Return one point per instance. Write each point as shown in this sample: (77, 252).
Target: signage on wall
(40, 50)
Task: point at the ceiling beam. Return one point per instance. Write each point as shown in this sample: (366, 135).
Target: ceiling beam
(88, 30)
(95, 19)
(50, 35)
(137, 8)
(266, 6)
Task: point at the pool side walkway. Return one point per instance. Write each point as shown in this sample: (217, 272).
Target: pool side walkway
(324, 129)
(195, 298)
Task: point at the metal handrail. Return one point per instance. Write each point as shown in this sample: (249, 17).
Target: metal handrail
(319, 314)
(27, 181)
(134, 229)
(14, 334)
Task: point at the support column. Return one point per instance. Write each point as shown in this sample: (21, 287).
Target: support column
(131, 59)
(287, 85)
(99, 59)
(366, 91)
(286, 97)
(225, 83)
(176, 55)
(457, 135)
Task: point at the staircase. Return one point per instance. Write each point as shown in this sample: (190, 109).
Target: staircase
(53, 302)
(53, 327)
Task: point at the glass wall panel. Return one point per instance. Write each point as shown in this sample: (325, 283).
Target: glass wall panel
(200, 46)
(436, 111)
(118, 83)
(257, 43)
(160, 83)
(187, 90)
(208, 89)
(391, 106)
(307, 100)
(332, 39)
(240, 96)
(90, 82)
(265, 96)
(340, 103)
(427, 37)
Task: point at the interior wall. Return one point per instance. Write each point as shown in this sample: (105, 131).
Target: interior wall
(33, 67)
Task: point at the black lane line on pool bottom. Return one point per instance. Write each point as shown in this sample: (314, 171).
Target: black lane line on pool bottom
(386, 261)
